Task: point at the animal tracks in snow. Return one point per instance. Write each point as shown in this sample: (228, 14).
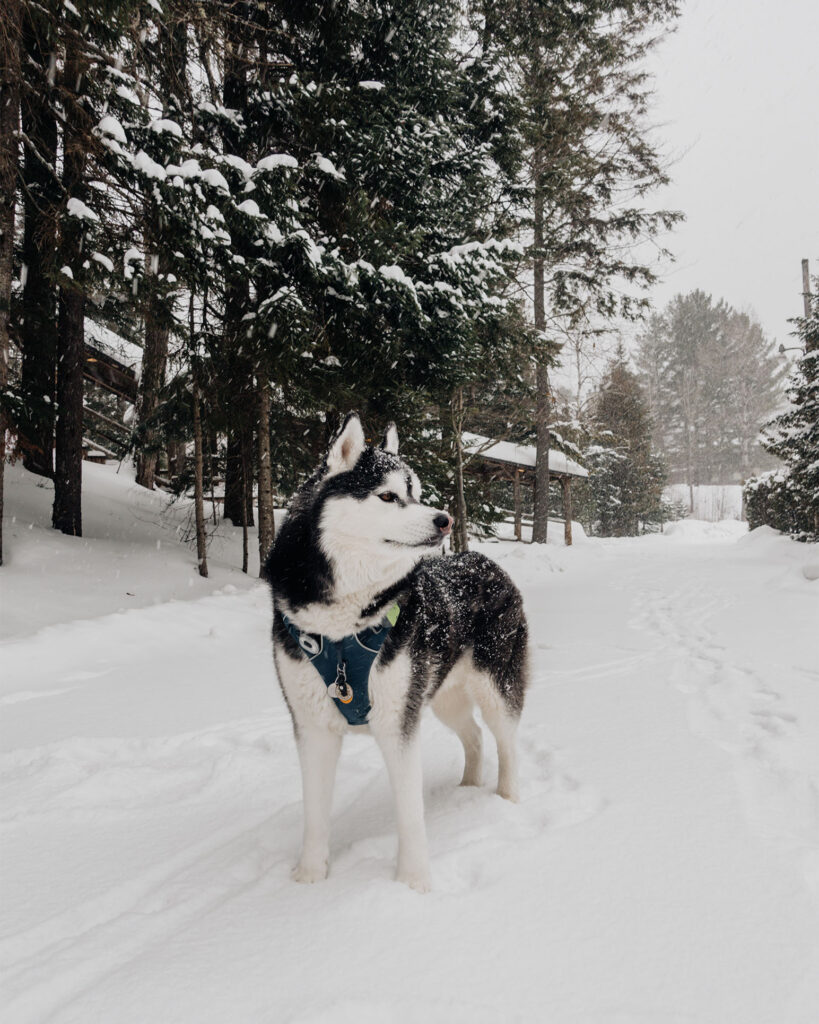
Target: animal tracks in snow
(733, 706)
(476, 836)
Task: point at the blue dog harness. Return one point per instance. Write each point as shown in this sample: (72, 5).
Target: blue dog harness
(345, 664)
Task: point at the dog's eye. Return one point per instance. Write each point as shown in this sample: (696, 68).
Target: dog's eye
(388, 496)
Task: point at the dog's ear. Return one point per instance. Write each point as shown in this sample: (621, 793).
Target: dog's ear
(389, 442)
(347, 446)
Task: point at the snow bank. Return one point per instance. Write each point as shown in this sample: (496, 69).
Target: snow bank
(696, 531)
(137, 549)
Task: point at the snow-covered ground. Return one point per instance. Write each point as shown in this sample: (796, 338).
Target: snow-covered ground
(662, 866)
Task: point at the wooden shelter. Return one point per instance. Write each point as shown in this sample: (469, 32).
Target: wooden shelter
(109, 372)
(504, 460)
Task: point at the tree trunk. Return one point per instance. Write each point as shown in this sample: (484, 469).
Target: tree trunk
(9, 156)
(566, 484)
(540, 517)
(234, 506)
(198, 485)
(237, 386)
(176, 458)
(154, 359)
(67, 512)
(247, 475)
(460, 532)
(244, 515)
(171, 76)
(38, 319)
(266, 524)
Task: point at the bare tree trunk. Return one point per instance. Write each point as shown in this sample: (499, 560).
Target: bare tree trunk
(38, 320)
(540, 517)
(67, 511)
(460, 532)
(566, 484)
(198, 485)
(9, 156)
(266, 525)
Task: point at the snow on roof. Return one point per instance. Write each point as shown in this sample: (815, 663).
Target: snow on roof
(519, 454)
(111, 343)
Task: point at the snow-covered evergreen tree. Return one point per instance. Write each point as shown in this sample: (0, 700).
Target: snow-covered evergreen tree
(624, 492)
(711, 377)
(788, 498)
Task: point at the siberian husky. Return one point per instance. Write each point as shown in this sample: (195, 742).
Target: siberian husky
(355, 570)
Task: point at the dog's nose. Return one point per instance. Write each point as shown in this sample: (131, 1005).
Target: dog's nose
(444, 522)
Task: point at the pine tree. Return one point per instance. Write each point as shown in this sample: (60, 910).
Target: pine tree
(584, 91)
(712, 377)
(788, 498)
(626, 478)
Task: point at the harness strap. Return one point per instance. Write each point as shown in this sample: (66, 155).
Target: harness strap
(345, 665)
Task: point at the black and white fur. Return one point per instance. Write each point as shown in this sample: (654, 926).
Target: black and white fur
(356, 541)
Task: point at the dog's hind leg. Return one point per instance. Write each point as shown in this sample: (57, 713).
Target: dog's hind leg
(503, 724)
(453, 706)
(318, 753)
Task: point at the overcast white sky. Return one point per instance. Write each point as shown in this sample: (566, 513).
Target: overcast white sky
(738, 107)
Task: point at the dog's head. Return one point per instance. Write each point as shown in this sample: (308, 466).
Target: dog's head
(371, 499)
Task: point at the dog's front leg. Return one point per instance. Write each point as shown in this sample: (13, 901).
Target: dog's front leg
(318, 754)
(403, 758)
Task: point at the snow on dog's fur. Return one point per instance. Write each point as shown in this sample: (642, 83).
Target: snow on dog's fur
(356, 542)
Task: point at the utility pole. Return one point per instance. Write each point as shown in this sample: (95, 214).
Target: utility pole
(806, 287)
(810, 344)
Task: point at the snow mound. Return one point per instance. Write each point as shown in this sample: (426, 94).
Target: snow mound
(137, 549)
(697, 531)
(777, 548)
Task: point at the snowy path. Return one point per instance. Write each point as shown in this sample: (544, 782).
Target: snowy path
(663, 865)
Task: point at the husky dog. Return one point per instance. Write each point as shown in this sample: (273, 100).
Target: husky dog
(351, 574)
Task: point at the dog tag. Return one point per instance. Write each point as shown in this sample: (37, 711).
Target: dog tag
(341, 689)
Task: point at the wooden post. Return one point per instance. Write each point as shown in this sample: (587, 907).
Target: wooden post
(518, 517)
(566, 484)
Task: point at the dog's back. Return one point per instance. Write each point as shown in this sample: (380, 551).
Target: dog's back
(462, 607)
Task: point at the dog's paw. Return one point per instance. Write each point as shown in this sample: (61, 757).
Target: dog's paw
(418, 880)
(471, 779)
(509, 793)
(309, 872)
